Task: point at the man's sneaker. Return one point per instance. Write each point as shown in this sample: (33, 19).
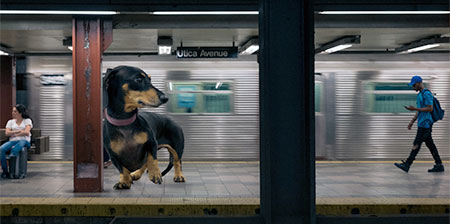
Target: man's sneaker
(403, 166)
(437, 168)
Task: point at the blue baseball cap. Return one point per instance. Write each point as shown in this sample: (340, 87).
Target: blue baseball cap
(415, 79)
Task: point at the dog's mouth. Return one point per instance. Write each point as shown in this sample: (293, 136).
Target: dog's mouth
(142, 103)
(145, 104)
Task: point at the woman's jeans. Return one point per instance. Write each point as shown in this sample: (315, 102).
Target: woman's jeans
(14, 147)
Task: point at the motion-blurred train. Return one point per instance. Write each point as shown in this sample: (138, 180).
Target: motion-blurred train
(360, 111)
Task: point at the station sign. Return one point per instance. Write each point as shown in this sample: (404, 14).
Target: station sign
(207, 52)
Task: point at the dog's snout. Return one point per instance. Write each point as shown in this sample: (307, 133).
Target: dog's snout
(163, 99)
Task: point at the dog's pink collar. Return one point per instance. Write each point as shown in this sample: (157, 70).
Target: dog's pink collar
(120, 122)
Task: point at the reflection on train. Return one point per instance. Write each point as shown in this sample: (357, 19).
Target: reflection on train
(359, 112)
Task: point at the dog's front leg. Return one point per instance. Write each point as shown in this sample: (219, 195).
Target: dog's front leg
(125, 180)
(154, 174)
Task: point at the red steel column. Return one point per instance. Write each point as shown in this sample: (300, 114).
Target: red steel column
(7, 89)
(90, 38)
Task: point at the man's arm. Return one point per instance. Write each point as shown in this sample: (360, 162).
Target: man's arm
(412, 121)
(428, 108)
(428, 101)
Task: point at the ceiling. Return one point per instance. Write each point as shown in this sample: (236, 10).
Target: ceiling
(138, 34)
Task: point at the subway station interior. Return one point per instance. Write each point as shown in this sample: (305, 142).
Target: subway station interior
(291, 111)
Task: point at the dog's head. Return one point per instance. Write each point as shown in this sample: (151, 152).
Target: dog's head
(132, 87)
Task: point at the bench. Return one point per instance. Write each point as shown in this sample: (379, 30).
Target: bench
(39, 144)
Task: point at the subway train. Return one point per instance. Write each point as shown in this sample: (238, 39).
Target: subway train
(359, 109)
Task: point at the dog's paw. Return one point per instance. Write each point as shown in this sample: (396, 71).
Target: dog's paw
(122, 186)
(136, 175)
(179, 178)
(155, 177)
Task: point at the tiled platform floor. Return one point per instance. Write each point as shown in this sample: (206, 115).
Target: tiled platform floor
(381, 180)
(241, 179)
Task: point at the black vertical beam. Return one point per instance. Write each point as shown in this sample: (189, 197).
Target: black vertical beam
(7, 88)
(286, 63)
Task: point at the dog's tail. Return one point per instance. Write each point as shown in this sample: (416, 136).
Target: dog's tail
(173, 157)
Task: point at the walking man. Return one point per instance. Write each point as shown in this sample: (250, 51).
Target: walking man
(424, 124)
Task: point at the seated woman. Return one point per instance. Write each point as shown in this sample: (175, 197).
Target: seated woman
(19, 131)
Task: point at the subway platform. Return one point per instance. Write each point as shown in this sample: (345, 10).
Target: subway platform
(343, 188)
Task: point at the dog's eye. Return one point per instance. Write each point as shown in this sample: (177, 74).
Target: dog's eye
(139, 79)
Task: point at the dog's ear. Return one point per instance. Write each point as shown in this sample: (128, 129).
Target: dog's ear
(110, 74)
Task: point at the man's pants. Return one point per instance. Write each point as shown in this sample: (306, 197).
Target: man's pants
(424, 135)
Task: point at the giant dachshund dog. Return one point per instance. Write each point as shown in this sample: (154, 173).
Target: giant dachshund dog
(133, 138)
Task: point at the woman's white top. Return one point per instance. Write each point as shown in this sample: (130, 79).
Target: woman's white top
(15, 127)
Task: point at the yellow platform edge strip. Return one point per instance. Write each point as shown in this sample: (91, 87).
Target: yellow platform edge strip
(133, 210)
(150, 207)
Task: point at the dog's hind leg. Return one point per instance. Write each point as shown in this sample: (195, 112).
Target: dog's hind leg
(136, 175)
(125, 180)
(178, 177)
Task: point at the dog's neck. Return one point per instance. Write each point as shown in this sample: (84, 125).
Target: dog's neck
(116, 108)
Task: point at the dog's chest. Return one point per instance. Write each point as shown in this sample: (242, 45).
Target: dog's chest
(127, 141)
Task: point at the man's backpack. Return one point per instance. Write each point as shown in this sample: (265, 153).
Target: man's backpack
(438, 112)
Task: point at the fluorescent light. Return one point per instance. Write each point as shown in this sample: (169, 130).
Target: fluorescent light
(337, 48)
(218, 84)
(381, 12)
(423, 44)
(70, 48)
(338, 44)
(421, 48)
(205, 13)
(53, 12)
(165, 50)
(3, 53)
(250, 46)
(250, 50)
(170, 86)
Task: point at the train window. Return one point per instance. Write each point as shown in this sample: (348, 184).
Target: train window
(200, 97)
(389, 97)
(318, 92)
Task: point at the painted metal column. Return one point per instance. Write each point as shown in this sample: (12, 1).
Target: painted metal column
(90, 38)
(286, 66)
(7, 89)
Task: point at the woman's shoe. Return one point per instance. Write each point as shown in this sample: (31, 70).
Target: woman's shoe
(107, 164)
(5, 175)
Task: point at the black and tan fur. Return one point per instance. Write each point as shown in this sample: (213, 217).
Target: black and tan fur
(133, 147)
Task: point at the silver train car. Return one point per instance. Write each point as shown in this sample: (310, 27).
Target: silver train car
(364, 116)
(359, 105)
